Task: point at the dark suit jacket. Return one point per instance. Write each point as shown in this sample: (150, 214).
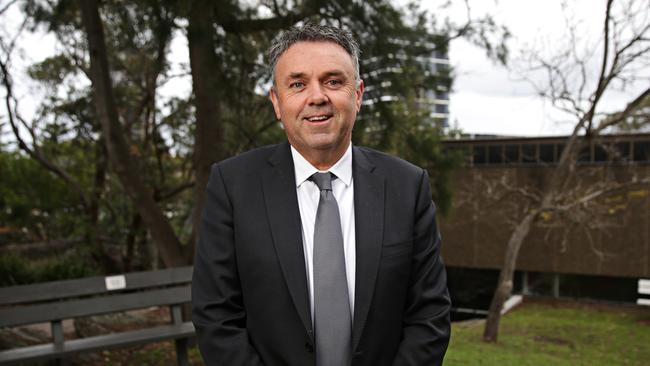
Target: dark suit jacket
(249, 291)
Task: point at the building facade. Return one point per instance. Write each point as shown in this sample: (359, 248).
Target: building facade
(599, 241)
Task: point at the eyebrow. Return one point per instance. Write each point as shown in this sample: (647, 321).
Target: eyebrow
(296, 75)
(336, 73)
(300, 75)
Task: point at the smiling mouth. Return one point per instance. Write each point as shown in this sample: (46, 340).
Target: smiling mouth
(319, 118)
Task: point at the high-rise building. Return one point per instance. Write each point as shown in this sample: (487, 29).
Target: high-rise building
(430, 61)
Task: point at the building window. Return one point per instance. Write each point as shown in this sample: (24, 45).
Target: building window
(641, 151)
(600, 153)
(547, 153)
(528, 154)
(480, 155)
(621, 152)
(584, 156)
(511, 153)
(442, 108)
(559, 148)
(495, 154)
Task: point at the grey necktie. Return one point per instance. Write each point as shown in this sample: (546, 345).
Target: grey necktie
(332, 319)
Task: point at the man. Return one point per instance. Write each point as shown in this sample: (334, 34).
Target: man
(299, 268)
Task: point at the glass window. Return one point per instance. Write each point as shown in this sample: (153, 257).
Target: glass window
(641, 150)
(599, 287)
(512, 153)
(540, 283)
(622, 151)
(495, 154)
(584, 156)
(559, 149)
(601, 153)
(547, 153)
(480, 155)
(528, 154)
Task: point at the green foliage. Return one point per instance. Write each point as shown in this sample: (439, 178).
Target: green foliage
(52, 70)
(161, 131)
(17, 270)
(34, 204)
(557, 334)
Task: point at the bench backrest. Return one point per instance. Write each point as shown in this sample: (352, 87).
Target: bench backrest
(52, 301)
(58, 290)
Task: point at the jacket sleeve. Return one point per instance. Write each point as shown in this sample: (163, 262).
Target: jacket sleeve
(426, 325)
(218, 312)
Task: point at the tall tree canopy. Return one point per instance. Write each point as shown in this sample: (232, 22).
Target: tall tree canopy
(138, 161)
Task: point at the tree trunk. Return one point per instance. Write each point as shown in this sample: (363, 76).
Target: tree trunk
(131, 242)
(100, 253)
(504, 287)
(124, 164)
(206, 83)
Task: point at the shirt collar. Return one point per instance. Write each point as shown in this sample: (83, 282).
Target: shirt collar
(342, 168)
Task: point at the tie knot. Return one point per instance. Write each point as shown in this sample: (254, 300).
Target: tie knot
(323, 180)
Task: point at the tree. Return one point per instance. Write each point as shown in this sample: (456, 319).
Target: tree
(137, 58)
(154, 149)
(625, 46)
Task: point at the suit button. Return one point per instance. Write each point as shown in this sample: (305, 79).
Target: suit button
(309, 347)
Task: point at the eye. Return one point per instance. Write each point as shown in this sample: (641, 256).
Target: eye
(297, 85)
(334, 82)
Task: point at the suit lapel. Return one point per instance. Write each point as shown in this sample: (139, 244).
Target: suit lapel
(369, 228)
(282, 210)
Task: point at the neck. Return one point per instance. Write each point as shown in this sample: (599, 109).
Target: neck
(324, 159)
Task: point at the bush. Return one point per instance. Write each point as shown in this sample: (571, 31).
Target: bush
(17, 270)
(14, 270)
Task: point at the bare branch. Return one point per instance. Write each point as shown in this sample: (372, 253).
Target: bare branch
(31, 151)
(619, 117)
(606, 190)
(603, 68)
(167, 195)
(231, 25)
(6, 7)
(465, 28)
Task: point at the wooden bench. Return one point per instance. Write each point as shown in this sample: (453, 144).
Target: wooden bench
(54, 302)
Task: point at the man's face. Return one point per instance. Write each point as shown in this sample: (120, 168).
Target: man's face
(316, 97)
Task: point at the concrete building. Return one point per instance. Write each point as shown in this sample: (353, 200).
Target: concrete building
(601, 251)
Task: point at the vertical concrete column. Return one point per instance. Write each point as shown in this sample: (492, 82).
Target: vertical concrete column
(556, 285)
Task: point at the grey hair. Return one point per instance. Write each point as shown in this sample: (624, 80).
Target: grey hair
(310, 32)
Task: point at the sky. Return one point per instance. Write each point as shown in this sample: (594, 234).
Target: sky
(491, 99)
(487, 98)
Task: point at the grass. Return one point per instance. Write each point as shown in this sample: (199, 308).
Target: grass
(535, 333)
(557, 333)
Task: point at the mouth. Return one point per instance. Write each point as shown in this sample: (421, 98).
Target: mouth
(318, 118)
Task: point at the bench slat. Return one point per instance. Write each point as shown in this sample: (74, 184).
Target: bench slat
(41, 313)
(114, 340)
(91, 286)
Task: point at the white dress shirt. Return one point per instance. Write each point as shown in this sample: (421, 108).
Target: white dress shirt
(308, 197)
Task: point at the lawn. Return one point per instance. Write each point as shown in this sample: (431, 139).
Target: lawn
(557, 333)
(535, 333)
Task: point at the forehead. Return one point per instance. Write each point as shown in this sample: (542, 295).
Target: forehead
(307, 56)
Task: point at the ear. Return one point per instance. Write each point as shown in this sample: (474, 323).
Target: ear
(359, 94)
(273, 95)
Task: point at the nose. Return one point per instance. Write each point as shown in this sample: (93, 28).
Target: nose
(317, 95)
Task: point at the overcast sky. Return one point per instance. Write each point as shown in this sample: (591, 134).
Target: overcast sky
(487, 98)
